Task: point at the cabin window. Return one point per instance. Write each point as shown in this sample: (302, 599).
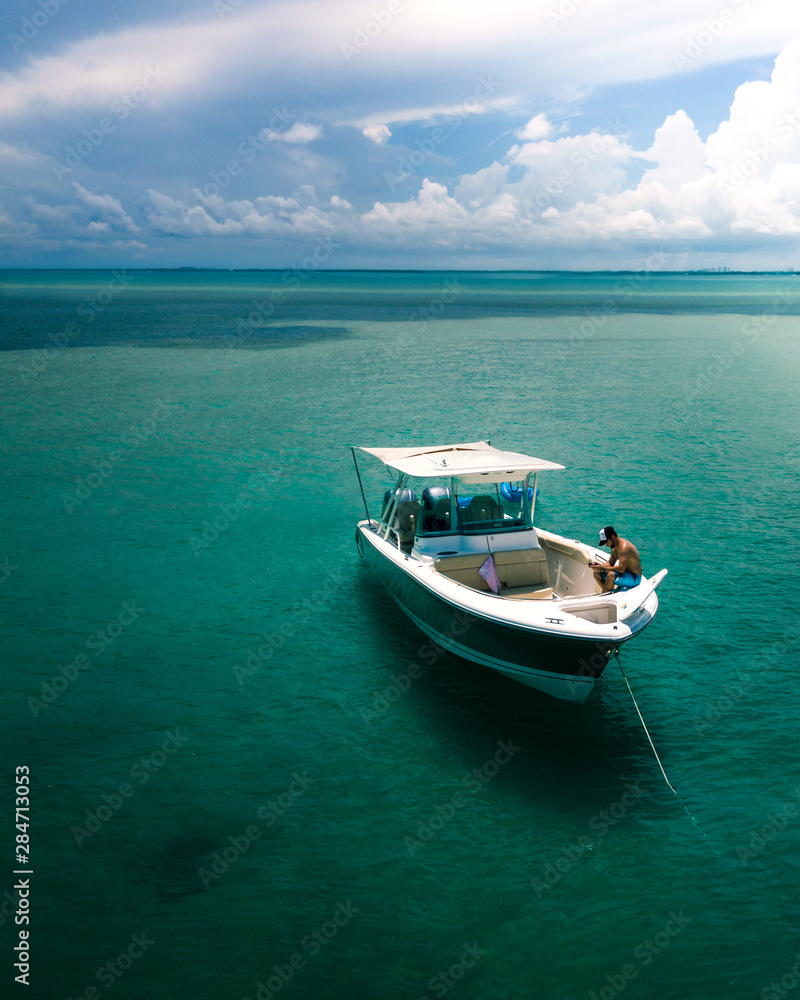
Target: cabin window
(493, 507)
(437, 515)
(472, 508)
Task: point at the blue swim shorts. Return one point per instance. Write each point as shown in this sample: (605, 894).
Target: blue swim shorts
(627, 580)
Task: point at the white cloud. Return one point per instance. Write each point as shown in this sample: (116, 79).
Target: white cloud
(449, 45)
(429, 113)
(537, 128)
(679, 152)
(107, 207)
(300, 134)
(58, 215)
(13, 156)
(574, 190)
(550, 189)
(481, 188)
(763, 128)
(433, 207)
(129, 245)
(269, 215)
(379, 134)
(563, 172)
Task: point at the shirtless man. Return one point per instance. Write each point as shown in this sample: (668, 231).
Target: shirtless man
(623, 569)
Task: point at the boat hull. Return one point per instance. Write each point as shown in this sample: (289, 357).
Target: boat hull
(562, 666)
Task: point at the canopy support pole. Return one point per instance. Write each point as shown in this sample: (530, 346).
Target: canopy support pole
(363, 495)
(533, 498)
(395, 504)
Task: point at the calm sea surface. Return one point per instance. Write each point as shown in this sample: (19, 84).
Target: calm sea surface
(236, 789)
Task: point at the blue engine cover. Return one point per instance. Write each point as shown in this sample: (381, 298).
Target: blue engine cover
(431, 494)
(407, 494)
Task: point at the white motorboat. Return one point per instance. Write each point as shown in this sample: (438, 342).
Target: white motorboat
(456, 547)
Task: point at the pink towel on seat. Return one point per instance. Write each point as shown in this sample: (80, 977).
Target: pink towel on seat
(489, 573)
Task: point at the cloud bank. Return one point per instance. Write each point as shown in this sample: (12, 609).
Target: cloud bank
(201, 143)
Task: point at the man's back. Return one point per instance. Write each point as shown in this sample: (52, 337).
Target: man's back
(627, 557)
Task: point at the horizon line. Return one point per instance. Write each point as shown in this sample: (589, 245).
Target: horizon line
(410, 270)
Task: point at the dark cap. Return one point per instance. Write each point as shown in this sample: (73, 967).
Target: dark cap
(606, 533)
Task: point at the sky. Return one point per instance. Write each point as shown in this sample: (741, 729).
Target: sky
(546, 134)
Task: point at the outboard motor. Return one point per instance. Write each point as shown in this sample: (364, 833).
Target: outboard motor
(431, 494)
(407, 494)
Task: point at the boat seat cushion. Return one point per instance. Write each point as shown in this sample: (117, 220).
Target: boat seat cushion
(522, 567)
(528, 593)
(516, 569)
(407, 521)
(437, 519)
(482, 508)
(408, 509)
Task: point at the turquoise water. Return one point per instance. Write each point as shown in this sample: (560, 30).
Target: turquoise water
(236, 781)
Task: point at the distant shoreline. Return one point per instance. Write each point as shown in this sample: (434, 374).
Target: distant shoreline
(706, 272)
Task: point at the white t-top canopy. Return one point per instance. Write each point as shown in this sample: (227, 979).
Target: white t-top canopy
(473, 462)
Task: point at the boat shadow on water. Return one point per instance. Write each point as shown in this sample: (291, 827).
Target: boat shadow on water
(570, 753)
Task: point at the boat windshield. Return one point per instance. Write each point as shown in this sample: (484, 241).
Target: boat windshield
(469, 510)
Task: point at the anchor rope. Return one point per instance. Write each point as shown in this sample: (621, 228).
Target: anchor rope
(658, 759)
(655, 752)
